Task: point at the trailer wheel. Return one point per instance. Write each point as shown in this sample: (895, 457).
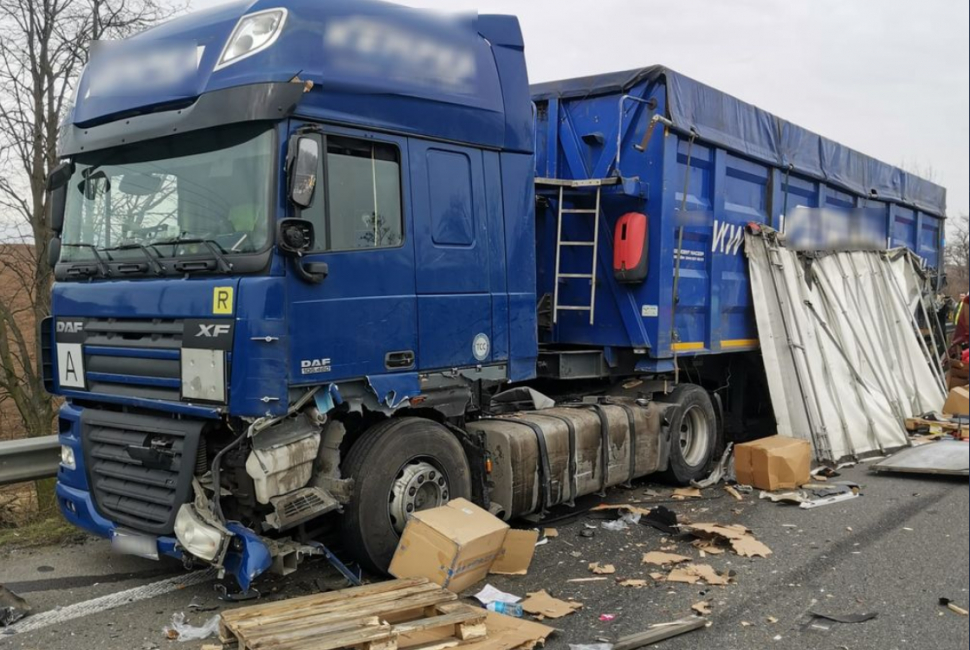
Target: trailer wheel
(399, 467)
(694, 434)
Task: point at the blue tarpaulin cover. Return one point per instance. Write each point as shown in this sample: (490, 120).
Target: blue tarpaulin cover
(733, 124)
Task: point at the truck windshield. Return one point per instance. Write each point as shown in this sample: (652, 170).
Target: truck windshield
(198, 194)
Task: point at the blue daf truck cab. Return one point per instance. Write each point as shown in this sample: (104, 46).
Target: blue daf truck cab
(315, 262)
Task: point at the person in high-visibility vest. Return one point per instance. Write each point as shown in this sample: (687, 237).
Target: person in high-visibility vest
(961, 335)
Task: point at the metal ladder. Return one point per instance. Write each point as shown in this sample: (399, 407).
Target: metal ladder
(596, 183)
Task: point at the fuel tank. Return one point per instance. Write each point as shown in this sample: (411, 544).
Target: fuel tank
(552, 456)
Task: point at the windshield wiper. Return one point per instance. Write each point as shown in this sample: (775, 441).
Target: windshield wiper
(154, 263)
(210, 244)
(102, 267)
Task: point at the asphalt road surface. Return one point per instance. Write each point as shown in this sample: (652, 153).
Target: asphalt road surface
(895, 552)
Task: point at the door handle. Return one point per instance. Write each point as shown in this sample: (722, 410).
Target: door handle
(399, 360)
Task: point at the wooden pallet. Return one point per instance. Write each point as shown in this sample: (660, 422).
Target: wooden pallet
(920, 424)
(371, 617)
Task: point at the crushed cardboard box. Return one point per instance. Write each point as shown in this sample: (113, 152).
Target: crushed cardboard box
(957, 402)
(504, 633)
(516, 553)
(602, 569)
(458, 544)
(739, 538)
(774, 463)
(542, 604)
(661, 558)
(694, 573)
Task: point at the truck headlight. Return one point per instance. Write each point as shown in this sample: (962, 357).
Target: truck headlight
(253, 33)
(196, 536)
(67, 457)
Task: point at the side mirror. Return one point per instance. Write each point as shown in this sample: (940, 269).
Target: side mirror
(54, 251)
(295, 236)
(304, 160)
(57, 194)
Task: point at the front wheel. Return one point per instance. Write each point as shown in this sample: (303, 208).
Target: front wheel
(399, 467)
(693, 434)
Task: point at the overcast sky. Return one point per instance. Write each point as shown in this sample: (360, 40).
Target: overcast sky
(890, 78)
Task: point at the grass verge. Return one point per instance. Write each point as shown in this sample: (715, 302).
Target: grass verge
(45, 530)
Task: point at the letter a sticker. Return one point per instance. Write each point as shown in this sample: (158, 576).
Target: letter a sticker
(222, 300)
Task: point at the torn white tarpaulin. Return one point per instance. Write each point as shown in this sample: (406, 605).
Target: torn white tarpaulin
(844, 363)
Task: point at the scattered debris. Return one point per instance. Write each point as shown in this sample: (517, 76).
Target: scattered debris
(541, 603)
(590, 646)
(738, 537)
(12, 607)
(703, 608)
(707, 546)
(626, 520)
(660, 558)
(623, 508)
(663, 519)
(659, 577)
(658, 633)
(693, 573)
(179, 630)
(845, 618)
(586, 532)
(949, 604)
(771, 620)
(490, 594)
(602, 569)
(587, 579)
(733, 492)
(820, 622)
(687, 493)
(606, 618)
(509, 609)
(633, 582)
(721, 471)
(550, 532)
(195, 605)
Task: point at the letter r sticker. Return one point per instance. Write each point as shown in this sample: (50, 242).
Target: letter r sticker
(222, 300)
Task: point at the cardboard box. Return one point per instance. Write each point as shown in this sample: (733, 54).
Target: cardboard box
(453, 545)
(516, 554)
(957, 402)
(775, 463)
(958, 374)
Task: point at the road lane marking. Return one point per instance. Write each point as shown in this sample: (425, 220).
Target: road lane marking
(109, 601)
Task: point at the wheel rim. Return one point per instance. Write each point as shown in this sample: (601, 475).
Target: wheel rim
(695, 433)
(419, 485)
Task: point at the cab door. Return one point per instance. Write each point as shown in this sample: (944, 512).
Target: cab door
(451, 250)
(361, 319)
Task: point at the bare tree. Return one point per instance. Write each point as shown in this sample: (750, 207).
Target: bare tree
(956, 256)
(43, 47)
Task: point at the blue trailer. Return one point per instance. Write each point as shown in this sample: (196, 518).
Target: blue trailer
(313, 271)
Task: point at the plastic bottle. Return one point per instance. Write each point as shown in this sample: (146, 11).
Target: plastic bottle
(509, 609)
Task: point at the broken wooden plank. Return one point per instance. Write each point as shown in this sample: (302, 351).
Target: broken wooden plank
(660, 633)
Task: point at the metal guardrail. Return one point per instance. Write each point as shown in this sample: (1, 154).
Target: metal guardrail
(29, 459)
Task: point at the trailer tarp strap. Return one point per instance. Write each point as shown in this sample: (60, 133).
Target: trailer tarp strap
(632, 421)
(571, 428)
(604, 447)
(545, 483)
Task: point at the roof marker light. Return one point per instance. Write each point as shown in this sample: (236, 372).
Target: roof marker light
(253, 33)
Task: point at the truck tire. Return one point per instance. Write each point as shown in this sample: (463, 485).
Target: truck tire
(694, 434)
(399, 466)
